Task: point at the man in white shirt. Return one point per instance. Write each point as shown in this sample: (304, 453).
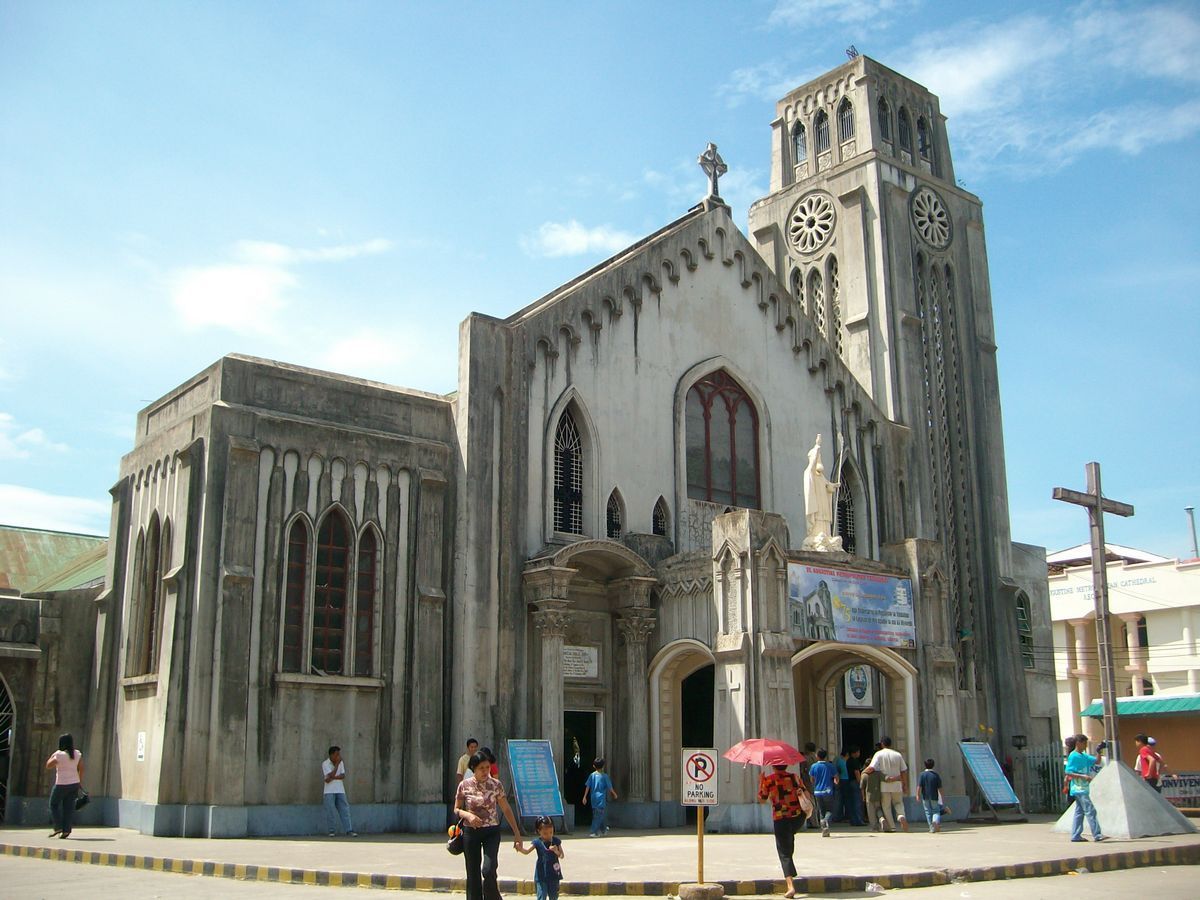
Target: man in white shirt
(334, 772)
(890, 764)
(472, 746)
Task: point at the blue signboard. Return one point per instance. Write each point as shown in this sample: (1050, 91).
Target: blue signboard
(988, 774)
(535, 778)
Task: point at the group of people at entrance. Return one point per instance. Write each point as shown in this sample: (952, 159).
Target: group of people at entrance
(825, 789)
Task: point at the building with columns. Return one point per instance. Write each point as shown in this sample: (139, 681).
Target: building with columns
(599, 538)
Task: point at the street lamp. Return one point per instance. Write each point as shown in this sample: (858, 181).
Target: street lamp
(1019, 741)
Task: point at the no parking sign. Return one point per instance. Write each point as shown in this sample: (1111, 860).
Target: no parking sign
(699, 780)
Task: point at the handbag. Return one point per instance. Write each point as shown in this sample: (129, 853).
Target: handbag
(82, 799)
(454, 846)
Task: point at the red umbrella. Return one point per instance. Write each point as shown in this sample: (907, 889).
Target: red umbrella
(763, 752)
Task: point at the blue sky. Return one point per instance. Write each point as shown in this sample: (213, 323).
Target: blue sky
(339, 184)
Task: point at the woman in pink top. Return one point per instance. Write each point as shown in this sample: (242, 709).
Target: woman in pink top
(67, 763)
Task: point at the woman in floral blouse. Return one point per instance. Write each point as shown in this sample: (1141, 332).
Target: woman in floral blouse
(479, 801)
(786, 796)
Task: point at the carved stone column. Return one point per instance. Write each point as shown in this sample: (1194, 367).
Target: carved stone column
(635, 625)
(546, 594)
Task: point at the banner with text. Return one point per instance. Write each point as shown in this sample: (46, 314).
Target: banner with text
(827, 604)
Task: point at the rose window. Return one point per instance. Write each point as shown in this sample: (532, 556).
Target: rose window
(930, 218)
(811, 222)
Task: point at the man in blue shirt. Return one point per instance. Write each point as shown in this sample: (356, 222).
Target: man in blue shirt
(597, 791)
(824, 776)
(1079, 768)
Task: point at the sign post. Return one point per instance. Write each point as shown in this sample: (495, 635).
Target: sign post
(699, 789)
(535, 779)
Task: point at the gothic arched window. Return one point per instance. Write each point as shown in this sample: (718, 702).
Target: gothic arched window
(151, 562)
(661, 523)
(845, 525)
(722, 443)
(329, 594)
(568, 477)
(822, 127)
(798, 287)
(799, 143)
(835, 306)
(845, 120)
(1025, 632)
(904, 130)
(614, 516)
(923, 145)
(885, 119)
(367, 589)
(294, 591)
(816, 300)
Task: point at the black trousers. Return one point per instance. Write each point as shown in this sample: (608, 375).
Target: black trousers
(481, 846)
(62, 806)
(785, 842)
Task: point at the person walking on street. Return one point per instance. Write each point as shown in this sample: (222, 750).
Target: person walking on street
(785, 793)
(872, 784)
(598, 791)
(1147, 762)
(67, 763)
(825, 782)
(478, 802)
(333, 770)
(929, 792)
(895, 784)
(472, 746)
(547, 871)
(851, 791)
(1079, 768)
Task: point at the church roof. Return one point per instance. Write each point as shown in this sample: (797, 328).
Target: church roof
(28, 556)
(1081, 555)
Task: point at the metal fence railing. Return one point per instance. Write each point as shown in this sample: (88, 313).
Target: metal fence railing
(1044, 777)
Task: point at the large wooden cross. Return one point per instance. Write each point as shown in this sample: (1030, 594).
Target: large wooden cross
(1097, 505)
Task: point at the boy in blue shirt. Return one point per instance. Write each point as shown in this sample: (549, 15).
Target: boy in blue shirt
(597, 791)
(824, 776)
(1079, 768)
(929, 792)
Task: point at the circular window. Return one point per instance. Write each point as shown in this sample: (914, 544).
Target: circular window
(811, 222)
(930, 218)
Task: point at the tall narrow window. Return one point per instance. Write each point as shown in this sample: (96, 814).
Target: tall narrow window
(662, 519)
(722, 443)
(364, 603)
(904, 130)
(816, 300)
(835, 306)
(845, 514)
(798, 289)
(923, 144)
(329, 595)
(845, 120)
(614, 516)
(1025, 632)
(822, 126)
(293, 602)
(799, 143)
(885, 120)
(151, 606)
(568, 477)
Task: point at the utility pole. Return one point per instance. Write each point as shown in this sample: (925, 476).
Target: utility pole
(1094, 501)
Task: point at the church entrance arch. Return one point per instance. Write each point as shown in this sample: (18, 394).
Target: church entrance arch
(681, 710)
(8, 717)
(823, 714)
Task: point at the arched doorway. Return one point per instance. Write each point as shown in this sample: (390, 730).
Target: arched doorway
(681, 710)
(8, 717)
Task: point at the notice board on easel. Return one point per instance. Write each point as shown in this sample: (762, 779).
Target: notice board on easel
(535, 778)
(986, 771)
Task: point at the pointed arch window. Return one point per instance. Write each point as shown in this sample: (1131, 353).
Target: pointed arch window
(904, 130)
(884, 113)
(924, 147)
(845, 525)
(799, 143)
(835, 305)
(294, 591)
(822, 128)
(845, 120)
(330, 573)
(367, 589)
(151, 563)
(568, 476)
(1025, 632)
(614, 516)
(722, 442)
(816, 300)
(798, 288)
(661, 523)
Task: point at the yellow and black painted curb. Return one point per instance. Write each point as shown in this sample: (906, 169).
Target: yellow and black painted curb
(1103, 862)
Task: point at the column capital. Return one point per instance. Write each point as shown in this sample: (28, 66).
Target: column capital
(636, 625)
(632, 592)
(544, 581)
(550, 618)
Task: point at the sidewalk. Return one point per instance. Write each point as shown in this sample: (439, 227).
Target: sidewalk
(626, 862)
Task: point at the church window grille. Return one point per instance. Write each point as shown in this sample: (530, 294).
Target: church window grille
(904, 130)
(568, 477)
(799, 143)
(822, 127)
(885, 120)
(835, 306)
(722, 443)
(798, 289)
(845, 120)
(367, 588)
(1025, 632)
(816, 300)
(151, 567)
(662, 519)
(295, 589)
(614, 517)
(330, 594)
(924, 147)
(845, 514)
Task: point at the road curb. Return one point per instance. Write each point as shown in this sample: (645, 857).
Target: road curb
(807, 884)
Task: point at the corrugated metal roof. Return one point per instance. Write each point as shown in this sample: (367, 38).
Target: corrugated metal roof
(86, 570)
(29, 556)
(1148, 706)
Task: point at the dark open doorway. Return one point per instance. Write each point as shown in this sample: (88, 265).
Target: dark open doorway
(580, 747)
(696, 714)
(858, 732)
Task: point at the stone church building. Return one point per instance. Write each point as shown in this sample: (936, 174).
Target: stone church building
(595, 539)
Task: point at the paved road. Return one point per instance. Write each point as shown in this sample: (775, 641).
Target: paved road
(34, 879)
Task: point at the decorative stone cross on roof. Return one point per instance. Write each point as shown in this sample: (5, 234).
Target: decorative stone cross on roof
(714, 167)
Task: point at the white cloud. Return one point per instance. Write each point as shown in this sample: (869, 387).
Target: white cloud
(29, 508)
(407, 356)
(809, 13)
(273, 254)
(242, 298)
(765, 81)
(22, 443)
(574, 239)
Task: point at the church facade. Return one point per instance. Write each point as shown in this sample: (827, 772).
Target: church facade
(599, 539)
